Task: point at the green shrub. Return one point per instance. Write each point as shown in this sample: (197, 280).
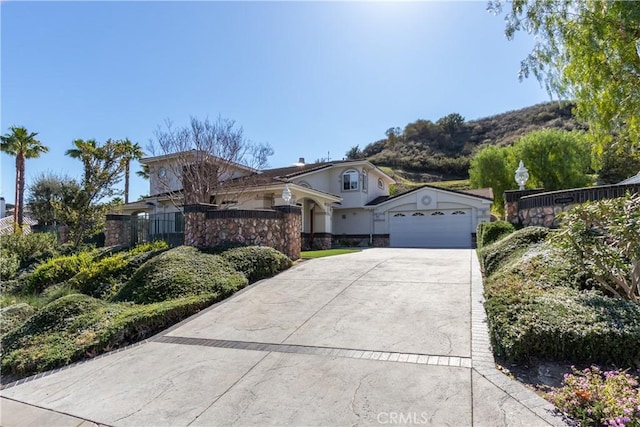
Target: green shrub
(257, 262)
(9, 264)
(562, 324)
(58, 270)
(98, 277)
(489, 232)
(515, 244)
(181, 272)
(30, 248)
(103, 277)
(78, 326)
(13, 316)
(603, 239)
(157, 245)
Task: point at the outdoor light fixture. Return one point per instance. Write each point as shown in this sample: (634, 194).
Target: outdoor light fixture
(522, 175)
(286, 194)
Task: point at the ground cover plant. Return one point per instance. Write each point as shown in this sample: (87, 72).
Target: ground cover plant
(557, 297)
(80, 304)
(596, 397)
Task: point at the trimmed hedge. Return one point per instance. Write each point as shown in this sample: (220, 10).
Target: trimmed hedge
(515, 244)
(537, 306)
(181, 272)
(257, 262)
(489, 232)
(78, 326)
(563, 324)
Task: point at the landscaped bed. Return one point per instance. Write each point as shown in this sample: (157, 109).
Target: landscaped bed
(61, 305)
(560, 298)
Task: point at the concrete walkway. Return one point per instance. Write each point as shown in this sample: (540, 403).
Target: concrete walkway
(380, 337)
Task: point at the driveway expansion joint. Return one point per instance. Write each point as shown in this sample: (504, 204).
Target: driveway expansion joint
(349, 353)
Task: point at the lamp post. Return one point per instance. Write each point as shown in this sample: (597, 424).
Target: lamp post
(286, 194)
(522, 175)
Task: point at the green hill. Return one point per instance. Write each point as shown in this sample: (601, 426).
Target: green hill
(426, 151)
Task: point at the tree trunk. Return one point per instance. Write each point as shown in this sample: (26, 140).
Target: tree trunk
(126, 182)
(21, 194)
(15, 206)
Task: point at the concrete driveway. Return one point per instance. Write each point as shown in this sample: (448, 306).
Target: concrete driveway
(380, 337)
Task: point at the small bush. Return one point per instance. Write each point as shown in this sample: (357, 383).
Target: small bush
(9, 264)
(30, 248)
(78, 326)
(257, 262)
(58, 270)
(597, 398)
(181, 272)
(562, 324)
(489, 232)
(515, 244)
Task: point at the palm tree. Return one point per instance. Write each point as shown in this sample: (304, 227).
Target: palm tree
(86, 151)
(129, 151)
(24, 145)
(144, 171)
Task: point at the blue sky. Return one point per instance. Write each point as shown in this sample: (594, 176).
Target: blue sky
(309, 78)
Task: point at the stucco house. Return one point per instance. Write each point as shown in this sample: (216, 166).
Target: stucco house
(342, 202)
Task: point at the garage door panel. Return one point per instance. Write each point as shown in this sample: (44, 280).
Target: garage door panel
(441, 228)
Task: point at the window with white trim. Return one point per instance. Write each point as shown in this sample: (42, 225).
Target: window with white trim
(364, 181)
(380, 184)
(350, 180)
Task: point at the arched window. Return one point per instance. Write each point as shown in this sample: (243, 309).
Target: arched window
(437, 213)
(399, 214)
(304, 184)
(380, 184)
(459, 213)
(350, 180)
(418, 214)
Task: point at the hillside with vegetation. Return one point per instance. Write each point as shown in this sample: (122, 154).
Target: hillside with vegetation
(428, 151)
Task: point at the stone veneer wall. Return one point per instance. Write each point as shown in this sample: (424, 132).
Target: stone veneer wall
(542, 209)
(511, 199)
(319, 241)
(118, 230)
(206, 226)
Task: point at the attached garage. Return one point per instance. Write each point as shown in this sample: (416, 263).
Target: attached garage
(430, 217)
(434, 229)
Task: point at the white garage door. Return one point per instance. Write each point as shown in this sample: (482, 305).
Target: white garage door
(431, 229)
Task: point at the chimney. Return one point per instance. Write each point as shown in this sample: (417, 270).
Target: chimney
(301, 160)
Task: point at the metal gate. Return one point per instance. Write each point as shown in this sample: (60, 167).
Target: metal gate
(163, 226)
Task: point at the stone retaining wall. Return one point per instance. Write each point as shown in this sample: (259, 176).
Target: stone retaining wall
(206, 226)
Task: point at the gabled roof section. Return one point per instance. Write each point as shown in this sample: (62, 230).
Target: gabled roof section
(481, 193)
(291, 172)
(287, 173)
